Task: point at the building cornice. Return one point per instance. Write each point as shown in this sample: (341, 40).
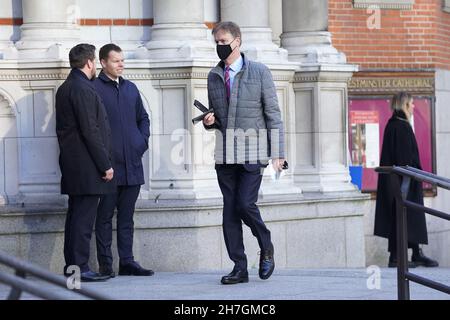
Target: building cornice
(384, 4)
(134, 73)
(33, 76)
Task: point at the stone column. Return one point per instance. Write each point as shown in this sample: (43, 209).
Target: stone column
(305, 35)
(29, 83)
(5, 35)
(5, 45)
(252, 16)
(10, 11)
(320, 87)
(178, 32)
(276, 20)
(49, 29)
(180, 55)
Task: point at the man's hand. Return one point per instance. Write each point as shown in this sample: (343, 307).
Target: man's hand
(209, 119)
(108, 175)
(278, 164)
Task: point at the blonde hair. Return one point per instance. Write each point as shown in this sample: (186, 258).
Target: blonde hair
(399, 100)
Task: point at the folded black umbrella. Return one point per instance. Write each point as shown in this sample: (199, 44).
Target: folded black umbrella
(204, 111)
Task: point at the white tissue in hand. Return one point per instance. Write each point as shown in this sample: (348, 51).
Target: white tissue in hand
(274, 174)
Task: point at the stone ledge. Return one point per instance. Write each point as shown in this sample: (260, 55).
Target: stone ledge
(446, 6)
(316, 231)
(189, 214)
(384, 4)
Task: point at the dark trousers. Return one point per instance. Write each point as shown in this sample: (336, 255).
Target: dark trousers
(124, 200)
(240, 185)
(78, 230)
(392, 245)
(392, 240)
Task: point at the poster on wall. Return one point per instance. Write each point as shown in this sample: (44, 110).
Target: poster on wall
(367, 119)
(365, 128)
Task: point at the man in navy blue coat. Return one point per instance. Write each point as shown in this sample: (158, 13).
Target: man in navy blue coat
(130, 129)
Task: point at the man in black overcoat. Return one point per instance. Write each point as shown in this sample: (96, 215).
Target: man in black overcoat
(84, 138)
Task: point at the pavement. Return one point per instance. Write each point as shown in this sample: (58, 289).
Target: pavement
(285, 284)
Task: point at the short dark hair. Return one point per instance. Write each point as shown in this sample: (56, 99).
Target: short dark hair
(228, 26)
(80, 54)
(106, 49)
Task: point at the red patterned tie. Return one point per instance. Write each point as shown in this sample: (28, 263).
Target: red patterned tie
(227, 81)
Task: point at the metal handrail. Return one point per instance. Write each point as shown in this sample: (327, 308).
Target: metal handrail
(428, 174)
(400, 178)
(420, 175)
(19, 283)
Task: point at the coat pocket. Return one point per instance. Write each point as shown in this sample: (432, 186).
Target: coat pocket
(139, 146)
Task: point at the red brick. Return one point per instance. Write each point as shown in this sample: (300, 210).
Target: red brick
(133, 22)
(11, 21)
(90, 22)
(147, 22)
(104, 22)
(417, 38)
(119, 22)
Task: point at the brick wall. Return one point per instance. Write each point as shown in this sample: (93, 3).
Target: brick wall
(99, 22)
(406, 39)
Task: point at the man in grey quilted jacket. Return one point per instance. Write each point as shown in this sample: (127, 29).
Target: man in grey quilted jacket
(249, 132)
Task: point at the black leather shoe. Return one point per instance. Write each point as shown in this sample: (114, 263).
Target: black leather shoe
(91, 276)
(235, 276)
(266, 264)
(422, 260)
(106, 271)
(393, 263)
(134, 269)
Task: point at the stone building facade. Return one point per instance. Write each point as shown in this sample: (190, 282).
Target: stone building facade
(402, 45)
(317, 216)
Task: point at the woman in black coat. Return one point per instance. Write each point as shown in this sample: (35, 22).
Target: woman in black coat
(400, 149)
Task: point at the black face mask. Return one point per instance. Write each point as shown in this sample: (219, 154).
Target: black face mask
(224, 50)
